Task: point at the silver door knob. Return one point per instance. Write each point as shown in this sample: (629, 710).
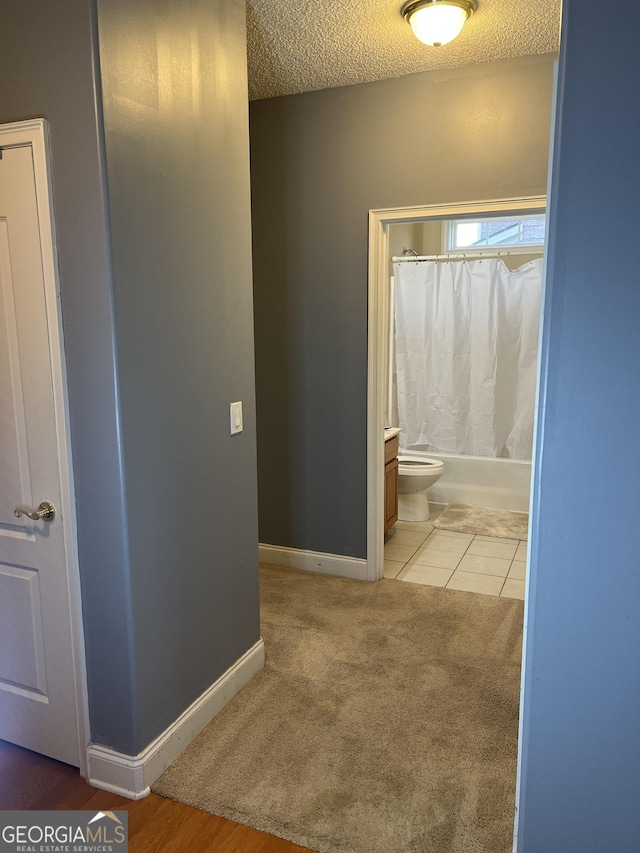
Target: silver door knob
(45, 512)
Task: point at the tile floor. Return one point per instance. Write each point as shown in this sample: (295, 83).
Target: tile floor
(421, 553)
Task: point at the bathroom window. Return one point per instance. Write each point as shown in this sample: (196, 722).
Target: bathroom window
(478, 235)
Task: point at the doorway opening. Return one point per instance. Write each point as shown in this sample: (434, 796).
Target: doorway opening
(380, 308)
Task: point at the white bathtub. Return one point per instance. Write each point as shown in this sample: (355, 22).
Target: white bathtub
(480, 481)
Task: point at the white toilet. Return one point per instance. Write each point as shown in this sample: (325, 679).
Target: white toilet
(415, 475)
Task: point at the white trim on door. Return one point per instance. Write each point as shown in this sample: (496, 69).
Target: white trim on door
(34, 132)
(379, 221)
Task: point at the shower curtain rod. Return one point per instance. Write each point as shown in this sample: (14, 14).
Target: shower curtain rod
(458, 257)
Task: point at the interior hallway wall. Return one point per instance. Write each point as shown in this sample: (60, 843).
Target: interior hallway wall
(166, 499)
(320, 161)
(48, 69)
(580, 743)
(177, 143)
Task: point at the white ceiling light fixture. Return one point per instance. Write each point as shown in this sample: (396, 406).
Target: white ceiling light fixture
(437, 22)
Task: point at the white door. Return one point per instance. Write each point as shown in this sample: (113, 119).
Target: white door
(38, 652)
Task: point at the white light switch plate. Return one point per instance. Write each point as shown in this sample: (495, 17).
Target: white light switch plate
(236, 417)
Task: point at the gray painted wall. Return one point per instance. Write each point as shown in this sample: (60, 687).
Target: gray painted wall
(47, 70)
(580, 740)
(168, 559)
(176, 128)
(319, 163)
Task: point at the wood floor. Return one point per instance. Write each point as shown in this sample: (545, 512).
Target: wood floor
(156, 825)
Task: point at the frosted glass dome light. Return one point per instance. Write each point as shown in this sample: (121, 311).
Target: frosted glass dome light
(437, 22)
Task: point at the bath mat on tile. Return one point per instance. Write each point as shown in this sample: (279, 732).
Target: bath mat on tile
(500, 523)
(384, 721)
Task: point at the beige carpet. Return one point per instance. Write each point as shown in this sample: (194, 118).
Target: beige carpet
(385, 721)
(501, 523)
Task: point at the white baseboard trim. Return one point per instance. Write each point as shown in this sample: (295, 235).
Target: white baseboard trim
(132, 775)
(314, 561)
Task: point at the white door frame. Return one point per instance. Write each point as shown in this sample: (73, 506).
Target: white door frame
(34, 133)
(379, 221)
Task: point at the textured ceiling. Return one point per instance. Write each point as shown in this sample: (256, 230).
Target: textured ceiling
(303, 45)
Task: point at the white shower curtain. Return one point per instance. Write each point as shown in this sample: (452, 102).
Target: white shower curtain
(466, 348)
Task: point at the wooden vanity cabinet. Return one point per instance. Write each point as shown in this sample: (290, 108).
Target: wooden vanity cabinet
(390, 482)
